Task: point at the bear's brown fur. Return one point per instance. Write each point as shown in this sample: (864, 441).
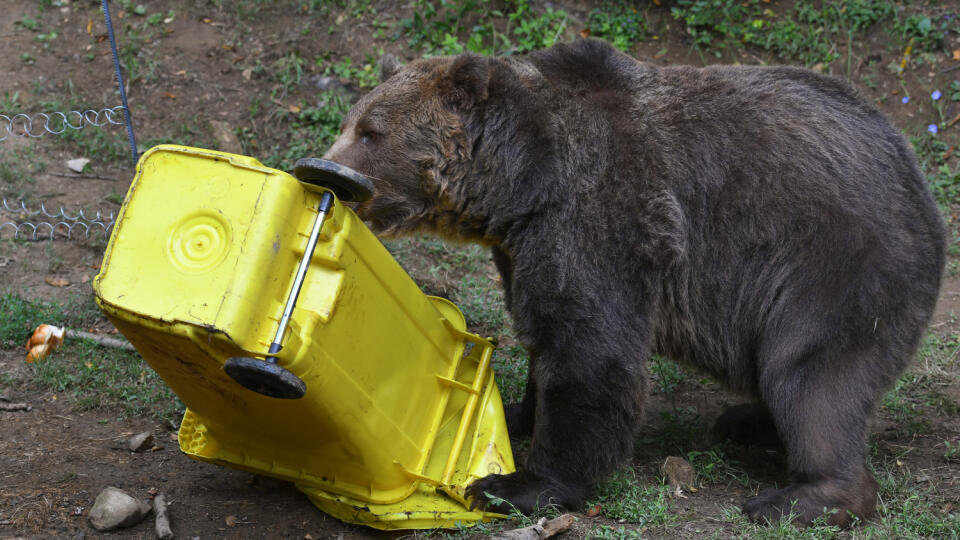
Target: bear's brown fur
(762, 224)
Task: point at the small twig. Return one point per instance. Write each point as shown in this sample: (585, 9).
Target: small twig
(115, 437)
(949, 69)
(84, 176)
(163, 521)
(954, 121)
(102, 340)
(15, 407)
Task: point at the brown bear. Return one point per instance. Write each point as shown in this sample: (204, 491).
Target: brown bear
(762, 224)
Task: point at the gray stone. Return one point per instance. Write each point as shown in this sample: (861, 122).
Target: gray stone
(141, 442)
(115, 509)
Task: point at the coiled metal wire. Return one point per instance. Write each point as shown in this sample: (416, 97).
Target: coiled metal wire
(56, 123)
(42, 224)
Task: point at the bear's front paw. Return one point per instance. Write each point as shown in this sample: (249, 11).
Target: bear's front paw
(521, 491)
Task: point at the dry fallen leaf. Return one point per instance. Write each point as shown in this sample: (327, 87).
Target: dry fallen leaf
(294, 109)
(585, 33)
(57, 282)
(170, 95)
(594, 512)
(956, 54)
(89, 27)
(85, 278)
(230, 521)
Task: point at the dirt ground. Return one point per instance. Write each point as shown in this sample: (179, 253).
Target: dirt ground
(203, 69)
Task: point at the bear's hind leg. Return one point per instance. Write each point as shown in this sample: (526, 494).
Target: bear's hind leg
(749, 424)
(820, 403)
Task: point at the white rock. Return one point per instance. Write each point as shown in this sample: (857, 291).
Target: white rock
(140, 442)
(115, 509)
(77, 165)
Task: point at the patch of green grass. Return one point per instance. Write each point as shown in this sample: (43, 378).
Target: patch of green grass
(680, 428)
(287, 72)
(436, 28)
(622, 496)
(28, 23)
(909, 509)
(951, 454)
(47, 37)
(943, 180)
(286, 136)
(97, 143)
(714, 467)
(810, 32)
(781, 530)
(467, 258)
(667, 374)
(92, 376)
(21, 316)
(924, 32)
(511, 365)
(915, 397)
(366, 75)
(537, 32)
(18, 167)
(96, 377)
(913, 400)
(606, 532)
(446, 28)
(619, 22)
(138, 63)
(482, 304)
(10, 103)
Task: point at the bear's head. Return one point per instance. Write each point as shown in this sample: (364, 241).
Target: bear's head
(411, 136)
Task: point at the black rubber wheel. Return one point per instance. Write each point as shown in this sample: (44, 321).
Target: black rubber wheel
(347, 184)
(264, 377)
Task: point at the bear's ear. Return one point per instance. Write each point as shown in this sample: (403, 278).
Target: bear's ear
(467, 80)
(389, 66)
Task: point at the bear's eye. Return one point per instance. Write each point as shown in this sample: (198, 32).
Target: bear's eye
(368, 137)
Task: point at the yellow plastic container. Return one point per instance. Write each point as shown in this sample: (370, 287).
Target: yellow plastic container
(400, 403)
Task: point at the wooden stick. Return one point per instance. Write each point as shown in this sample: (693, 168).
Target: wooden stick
(15, 407)
(83, 176)
(954, 121)
(102, 340)
(163, 520)
(541, 529)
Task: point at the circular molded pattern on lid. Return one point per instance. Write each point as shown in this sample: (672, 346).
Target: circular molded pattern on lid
(199, 241)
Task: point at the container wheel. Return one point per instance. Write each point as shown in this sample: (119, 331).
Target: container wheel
(347, 184)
